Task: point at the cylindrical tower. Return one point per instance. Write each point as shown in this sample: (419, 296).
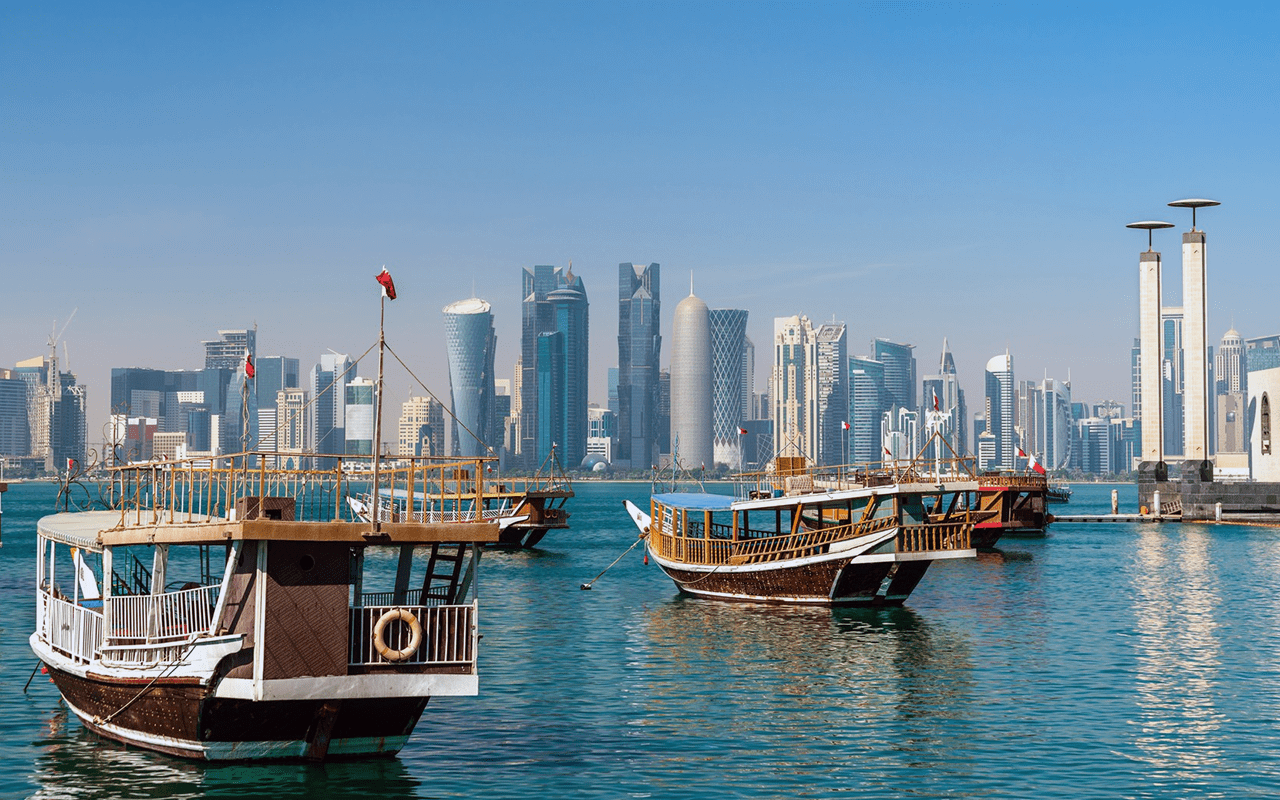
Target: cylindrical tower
(1149, 299)
(691, 383)
(1195, 344)
(470, 341)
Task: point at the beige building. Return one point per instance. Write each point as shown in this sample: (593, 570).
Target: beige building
(421, 428)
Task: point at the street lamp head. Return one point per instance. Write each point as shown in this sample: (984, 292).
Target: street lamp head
(1149, 225)
(1193, 203)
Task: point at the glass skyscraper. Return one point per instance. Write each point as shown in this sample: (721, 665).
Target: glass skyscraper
(866, 408)
(470, 341)
(899, 372)
(730, 392)
(554, 301)
(327, 382)
(639, 346)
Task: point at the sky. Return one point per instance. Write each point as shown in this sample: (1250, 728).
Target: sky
(918, 170)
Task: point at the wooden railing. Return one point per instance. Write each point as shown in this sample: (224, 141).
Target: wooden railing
(156, 618)
(204, 490)
(449, 635)
(73, 630)
(753, 547)
(934, 536)
(792, 479)
(1014, 481)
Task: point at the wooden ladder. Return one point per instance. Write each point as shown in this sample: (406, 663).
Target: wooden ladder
(450, 557)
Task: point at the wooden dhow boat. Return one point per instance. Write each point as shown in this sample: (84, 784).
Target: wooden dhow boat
(233, 608)
(226, 611)
(824, 536)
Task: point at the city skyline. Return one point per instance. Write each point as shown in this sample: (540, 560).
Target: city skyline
(271, 191)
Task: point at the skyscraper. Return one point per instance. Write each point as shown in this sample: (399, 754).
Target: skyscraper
(1229, 395)
(866, 408)
(471, 342)
(793, 388)
(554, 301)
(639, 348)
(730, 390)
(944, 387)
(15, 430)
(226, 355)
(832, 386)
(1000, 412)
(360, 399)
(327, 381)
(421, 427)
(691, 417)
(899, 372)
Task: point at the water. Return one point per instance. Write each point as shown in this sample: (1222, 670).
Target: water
(1116, 661)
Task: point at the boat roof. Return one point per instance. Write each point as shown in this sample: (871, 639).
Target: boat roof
(92, 530)
(699, 500)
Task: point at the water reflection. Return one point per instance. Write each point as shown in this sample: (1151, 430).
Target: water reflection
(1179, 654)
(804, 687)
(75, 763)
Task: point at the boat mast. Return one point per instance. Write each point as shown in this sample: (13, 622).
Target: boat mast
(377, 417)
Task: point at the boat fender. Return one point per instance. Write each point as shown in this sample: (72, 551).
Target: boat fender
(415, 634)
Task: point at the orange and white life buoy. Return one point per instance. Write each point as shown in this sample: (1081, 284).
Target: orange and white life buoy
(415, 634)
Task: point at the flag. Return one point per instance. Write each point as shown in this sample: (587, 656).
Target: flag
(844, 425)
(742, 431)
(248, 364)
(388, 285)
(1031, 462)
(887, 453)
(935, 401)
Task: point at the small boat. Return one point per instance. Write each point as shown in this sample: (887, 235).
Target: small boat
(1009, 503)
(1058, 493)
(822, 536)
(525, 509)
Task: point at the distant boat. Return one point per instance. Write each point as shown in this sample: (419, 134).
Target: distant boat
(825, 536)
(1058, 493)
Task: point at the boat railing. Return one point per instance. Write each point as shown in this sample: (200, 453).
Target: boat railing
(412, 597)
(161, 618)
(194, 491)
(448, 635)
(934, 536)
(753, 546)
(1011, 481)
(792, 476)
(71, 629)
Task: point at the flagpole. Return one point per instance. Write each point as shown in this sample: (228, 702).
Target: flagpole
(377, 417)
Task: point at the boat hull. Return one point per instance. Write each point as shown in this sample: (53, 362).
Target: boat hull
(183, 718)
(833, 580)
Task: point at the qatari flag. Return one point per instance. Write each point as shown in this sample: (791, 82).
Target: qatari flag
(388, 285)
(248, 365)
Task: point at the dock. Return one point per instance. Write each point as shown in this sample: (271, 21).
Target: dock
(1114, 518)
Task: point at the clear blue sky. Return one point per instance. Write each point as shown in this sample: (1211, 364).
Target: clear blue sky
(917, 170)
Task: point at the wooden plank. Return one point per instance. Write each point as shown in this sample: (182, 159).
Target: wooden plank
(284, 530)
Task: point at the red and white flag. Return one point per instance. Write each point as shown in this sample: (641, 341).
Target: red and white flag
(742, 431)
(844, 425)
(248, 364)
(887, 453)
(1031, 462)
(935, 401)
(388, 285)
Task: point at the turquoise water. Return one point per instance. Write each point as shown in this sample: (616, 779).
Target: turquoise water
(1116, 661)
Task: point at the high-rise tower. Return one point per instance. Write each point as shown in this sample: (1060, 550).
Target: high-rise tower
(639, 346)
(730, 392)
(1150, 355)
(471, 342)
(691, 383)
(553, 384)
(1000, 411)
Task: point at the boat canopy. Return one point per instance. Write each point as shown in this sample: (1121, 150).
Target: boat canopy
(78, 529)
(699, 500)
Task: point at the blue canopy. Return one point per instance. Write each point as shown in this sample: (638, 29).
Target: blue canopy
(698, 500)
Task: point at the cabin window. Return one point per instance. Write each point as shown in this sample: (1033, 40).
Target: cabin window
(1265, 425)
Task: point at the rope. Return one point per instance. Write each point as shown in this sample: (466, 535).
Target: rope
(177, 662)
(638, 540)
(449, 410)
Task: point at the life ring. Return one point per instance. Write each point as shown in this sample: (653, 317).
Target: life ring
(415, 634)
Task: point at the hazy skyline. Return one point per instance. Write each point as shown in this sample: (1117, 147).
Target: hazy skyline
(914, 170)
